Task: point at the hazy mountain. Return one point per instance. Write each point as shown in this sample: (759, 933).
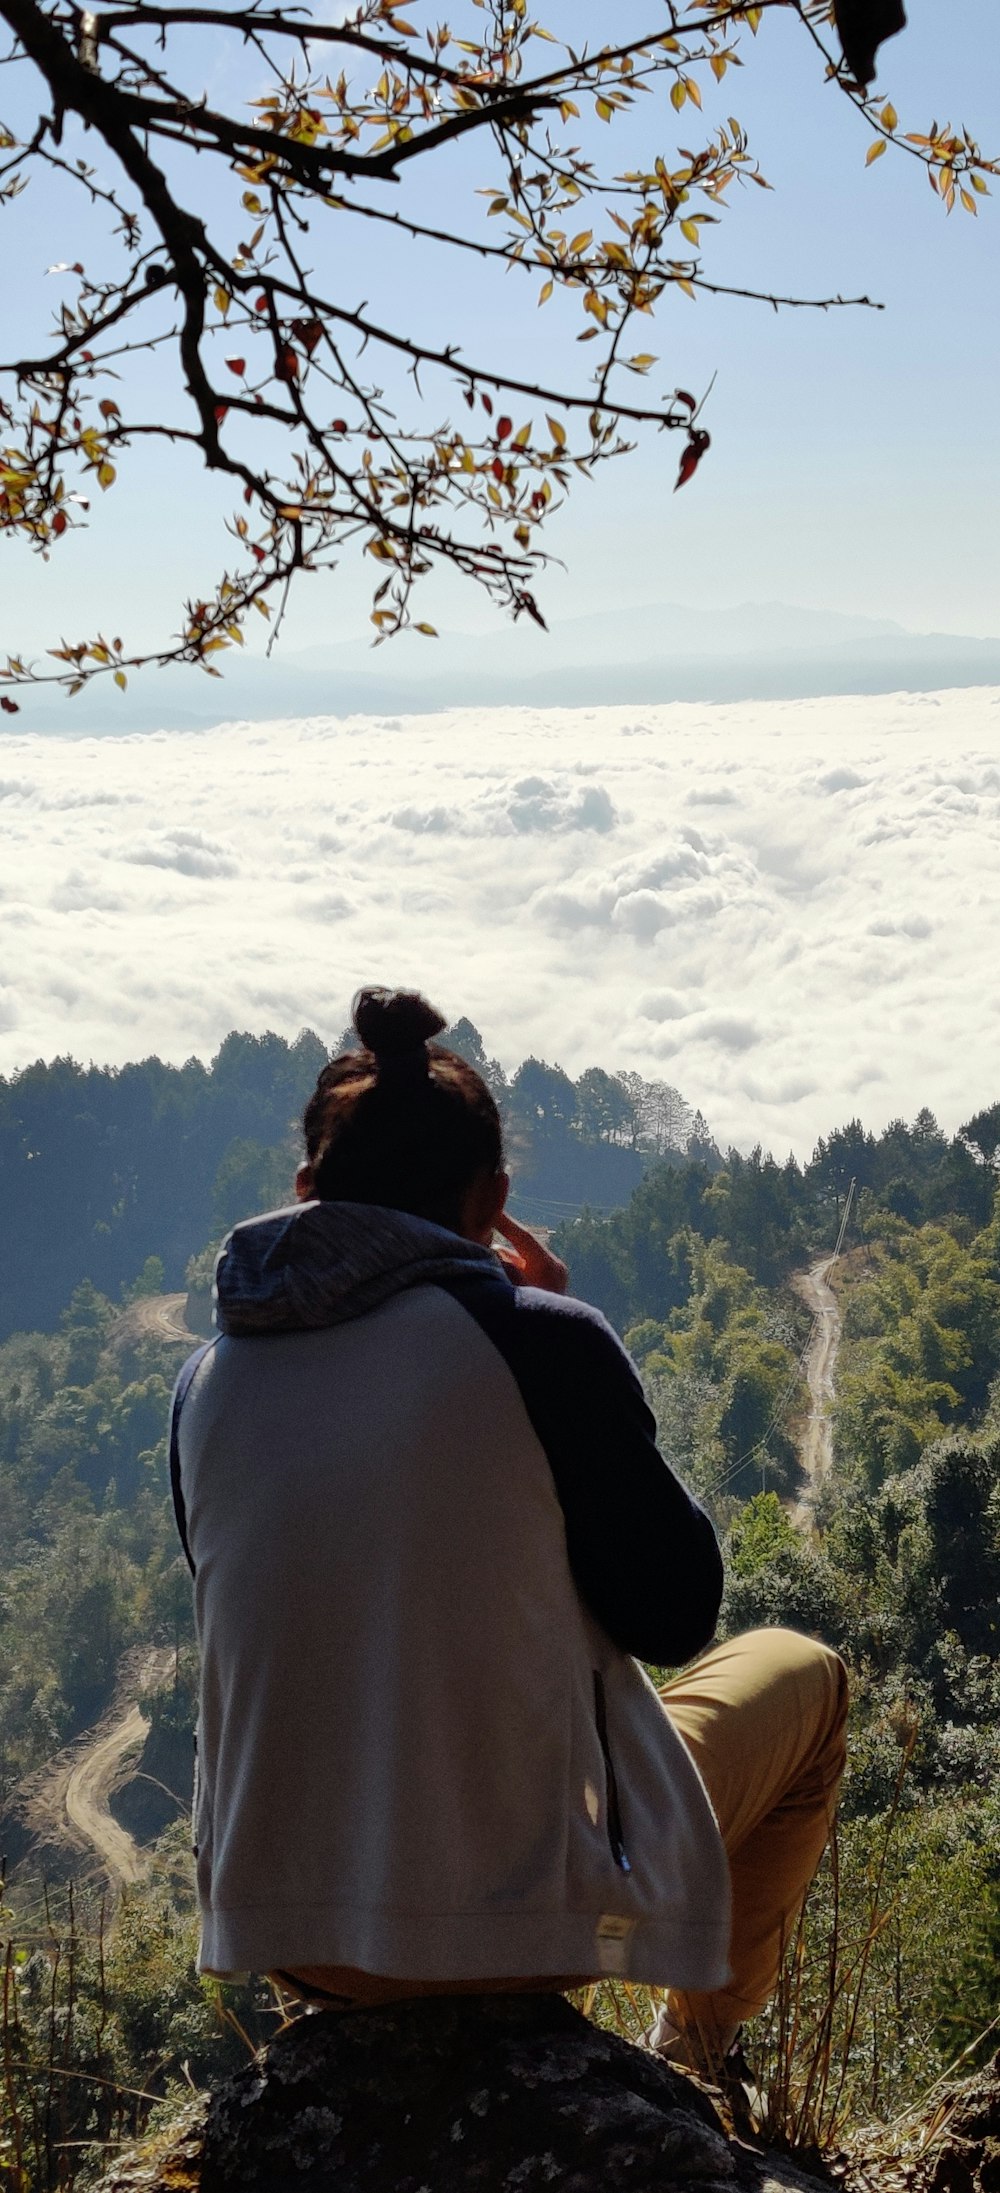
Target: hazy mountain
(658, 652)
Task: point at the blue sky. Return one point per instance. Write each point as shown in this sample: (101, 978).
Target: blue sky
(855, 461)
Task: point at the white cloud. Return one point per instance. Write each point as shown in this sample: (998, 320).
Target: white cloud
(186, 851)
(545, 804)
(791, 910)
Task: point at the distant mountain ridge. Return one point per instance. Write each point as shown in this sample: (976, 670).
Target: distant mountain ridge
(654, 654)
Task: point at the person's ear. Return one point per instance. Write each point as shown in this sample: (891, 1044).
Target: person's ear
(305, 1186)
(483, 1205)
(493, 1196)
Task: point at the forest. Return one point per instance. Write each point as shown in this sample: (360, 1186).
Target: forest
(104, 1167)
(897, 1564)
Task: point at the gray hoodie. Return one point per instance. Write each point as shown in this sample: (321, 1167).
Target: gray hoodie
(428, 1527)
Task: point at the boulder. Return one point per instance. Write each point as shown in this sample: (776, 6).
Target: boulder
(483, 2094)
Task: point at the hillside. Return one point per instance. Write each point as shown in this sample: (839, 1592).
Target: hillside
(894, 1558)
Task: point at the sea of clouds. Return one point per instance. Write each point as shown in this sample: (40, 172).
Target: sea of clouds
(789, 910)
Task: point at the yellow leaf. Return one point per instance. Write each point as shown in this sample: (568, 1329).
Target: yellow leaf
(522, 437)
(106, 475)
(545, 293)
(888, 117)
(580, 242)
(968, 201)
(686, 286)
(260, 603)
(875, 151)
(692, 90)
(557, 432)
(677, 94)
(121, 680)
(221, 300)
(252, 202)
(429, 629)
(690, 230)
(719, 66)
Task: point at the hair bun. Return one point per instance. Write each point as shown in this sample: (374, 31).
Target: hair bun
(392, 1022)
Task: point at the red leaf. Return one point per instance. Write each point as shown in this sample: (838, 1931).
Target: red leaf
(255, 551)
(338, 426)
(487, 404)
(60, 522)
(684, 398)
(260, 304)
(692, 457)
(10, 708)
(88, 355)
(220, 413)
(505, 426)
(286, 365)
(308, 332)
(497, 468)
(237, 366)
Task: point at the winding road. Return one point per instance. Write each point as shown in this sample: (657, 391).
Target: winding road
(87, 1791)
(816, 1453)
(95, 1774)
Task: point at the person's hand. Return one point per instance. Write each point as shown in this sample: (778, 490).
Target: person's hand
(528, 1260)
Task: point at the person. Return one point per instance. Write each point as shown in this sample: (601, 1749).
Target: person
(432, 1539)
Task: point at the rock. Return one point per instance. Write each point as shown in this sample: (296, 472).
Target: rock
(484, 2094)
(168, 2162)
(509, 2093)
(963, 2149)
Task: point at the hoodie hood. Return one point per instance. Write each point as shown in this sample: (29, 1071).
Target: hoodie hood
(322, 1263)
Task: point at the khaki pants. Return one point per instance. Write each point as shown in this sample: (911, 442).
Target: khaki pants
(764, 1718)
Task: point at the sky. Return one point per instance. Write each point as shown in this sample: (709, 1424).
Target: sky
(854, 466)
(790, 912)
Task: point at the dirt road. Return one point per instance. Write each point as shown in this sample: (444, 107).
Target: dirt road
(153, 1316)
(88, 1789)
(94, 1775)
(816, 1454)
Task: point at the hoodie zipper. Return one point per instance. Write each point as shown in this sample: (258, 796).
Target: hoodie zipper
(613, 1809)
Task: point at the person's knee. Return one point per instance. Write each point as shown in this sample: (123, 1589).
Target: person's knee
(819, 1681)
(823, 1672)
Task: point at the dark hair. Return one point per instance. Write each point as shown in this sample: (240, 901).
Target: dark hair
(402, 1122)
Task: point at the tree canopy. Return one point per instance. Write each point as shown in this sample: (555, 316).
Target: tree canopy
(216, 242)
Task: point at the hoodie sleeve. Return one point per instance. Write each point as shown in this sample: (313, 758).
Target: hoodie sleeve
(643, 1553)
